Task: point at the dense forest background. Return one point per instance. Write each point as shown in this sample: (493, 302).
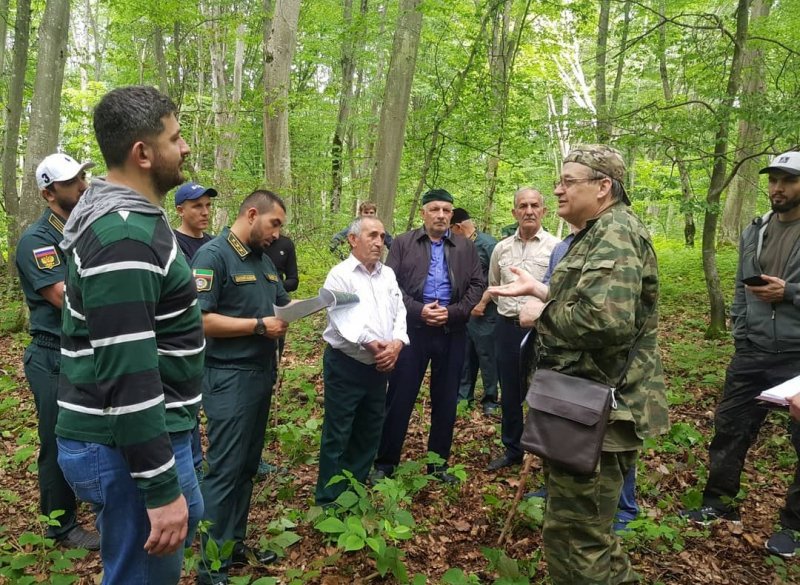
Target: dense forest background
(332, 102)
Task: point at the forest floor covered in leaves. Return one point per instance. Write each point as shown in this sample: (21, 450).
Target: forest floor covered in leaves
(454, 538)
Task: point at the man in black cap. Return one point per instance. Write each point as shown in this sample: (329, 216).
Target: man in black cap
(440, 276)
(480, 352)
(766, 320)
(193, 204)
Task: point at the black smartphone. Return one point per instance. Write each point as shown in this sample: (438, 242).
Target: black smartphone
(754, 281)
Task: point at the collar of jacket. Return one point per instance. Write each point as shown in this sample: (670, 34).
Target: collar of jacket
(421, 233)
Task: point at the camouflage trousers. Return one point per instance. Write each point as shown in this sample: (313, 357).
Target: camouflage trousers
(580, 545)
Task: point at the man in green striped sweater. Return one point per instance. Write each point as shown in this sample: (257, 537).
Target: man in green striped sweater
(132, 346)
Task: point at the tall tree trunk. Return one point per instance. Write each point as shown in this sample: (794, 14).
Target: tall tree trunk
(45, 104)
(502, 53)
(718, 177)
(345, 98)
(603, 123)
(161, 61)
(278, 56)
(689, 228)
(741, 200)
(443, 113)
(623, 47)
(396, 96)
(22, 29)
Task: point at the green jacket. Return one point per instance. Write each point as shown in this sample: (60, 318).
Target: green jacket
(601, 293)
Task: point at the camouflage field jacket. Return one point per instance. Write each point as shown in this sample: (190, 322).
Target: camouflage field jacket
(601, 293)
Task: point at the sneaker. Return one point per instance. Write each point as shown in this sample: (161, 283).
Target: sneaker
(443, 476)
(709, 514)
(784, 543)
(79, 537)
(490, 408)
(265, 469)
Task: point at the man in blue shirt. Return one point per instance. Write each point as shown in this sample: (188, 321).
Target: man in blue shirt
(440, 276)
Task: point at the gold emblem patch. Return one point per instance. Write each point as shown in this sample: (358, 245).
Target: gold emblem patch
(244, 278)
(272, 277)
(46, 258)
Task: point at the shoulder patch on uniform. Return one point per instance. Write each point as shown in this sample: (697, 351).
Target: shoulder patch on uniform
(56, 222)
(203, 279)
(46, 258)
(271, 277)
(244, 278)
(237, 245)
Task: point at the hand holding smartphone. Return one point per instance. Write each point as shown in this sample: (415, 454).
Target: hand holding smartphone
(754, 281)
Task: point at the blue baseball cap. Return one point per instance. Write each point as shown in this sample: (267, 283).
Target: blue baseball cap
(191, 191)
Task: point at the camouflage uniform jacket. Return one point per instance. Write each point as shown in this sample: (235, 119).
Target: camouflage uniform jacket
(600, 294)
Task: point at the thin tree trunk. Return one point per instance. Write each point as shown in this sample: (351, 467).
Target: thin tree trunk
(22, 29)
(718, 177)
(623, 46)
(161, 61)
(396, 96)
(345, 97)
(3, 31)
(741, 200)
(689, 227)
(603, 124)
(446, 108)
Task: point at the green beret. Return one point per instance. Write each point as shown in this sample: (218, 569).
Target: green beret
(436, 195)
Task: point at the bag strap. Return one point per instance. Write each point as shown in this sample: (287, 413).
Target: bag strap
(637, 341)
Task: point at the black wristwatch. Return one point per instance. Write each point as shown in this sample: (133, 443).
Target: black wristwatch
(260, 328)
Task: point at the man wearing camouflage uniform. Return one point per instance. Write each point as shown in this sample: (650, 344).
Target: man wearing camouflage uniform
(602, 292)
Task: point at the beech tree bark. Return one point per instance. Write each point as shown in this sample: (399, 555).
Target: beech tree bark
(600, 99)
(22, 29)
(45, 105)
(278, 56)
(741, 200)
(396, 96)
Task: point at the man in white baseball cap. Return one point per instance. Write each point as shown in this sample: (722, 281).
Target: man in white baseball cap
(40, 263)
(58, 168)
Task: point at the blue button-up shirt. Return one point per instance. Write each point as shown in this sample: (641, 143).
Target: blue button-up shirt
(437, 285)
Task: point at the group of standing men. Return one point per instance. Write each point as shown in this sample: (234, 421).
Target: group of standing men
(142, 333)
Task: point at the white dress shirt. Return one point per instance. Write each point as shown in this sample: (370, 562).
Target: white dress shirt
(379, 315)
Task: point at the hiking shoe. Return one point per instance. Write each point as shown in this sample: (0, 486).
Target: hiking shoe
(244, 555)
(709, 514)
(79, 537)
(784, 543)
(540, 493)
(490, 408)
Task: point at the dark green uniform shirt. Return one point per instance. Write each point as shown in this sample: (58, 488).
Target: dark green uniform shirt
(40, 263)
(234, 281)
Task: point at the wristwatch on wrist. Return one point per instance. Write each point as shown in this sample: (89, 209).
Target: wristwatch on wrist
(260, 328)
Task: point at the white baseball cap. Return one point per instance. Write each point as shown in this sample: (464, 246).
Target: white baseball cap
(59, 167)
(788, 162)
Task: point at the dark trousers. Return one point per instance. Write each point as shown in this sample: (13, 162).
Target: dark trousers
(508, 336)
(355, 399)
(236, 403)
(41, 369)
(444, 350)
(737, 420)
(480, 354)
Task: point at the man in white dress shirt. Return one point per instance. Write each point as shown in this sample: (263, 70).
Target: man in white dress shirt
(364, 341)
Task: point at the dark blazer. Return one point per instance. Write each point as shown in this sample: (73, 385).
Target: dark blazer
(410, 257)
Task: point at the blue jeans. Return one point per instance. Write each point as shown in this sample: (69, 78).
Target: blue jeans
(99, 475)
